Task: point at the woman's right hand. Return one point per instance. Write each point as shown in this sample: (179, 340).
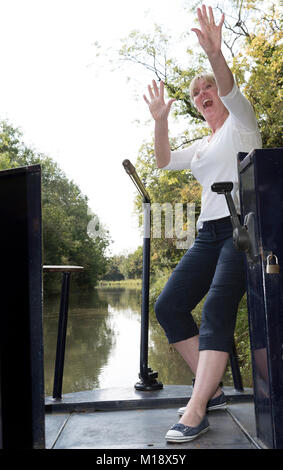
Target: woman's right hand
(157, 106)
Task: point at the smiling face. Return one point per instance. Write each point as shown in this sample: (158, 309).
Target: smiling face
(204, 94)
(205, 97)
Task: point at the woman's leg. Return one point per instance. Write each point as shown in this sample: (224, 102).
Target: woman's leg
(189, 350)
(185, 288)
(211, 367)
(217, 329)
(220, 308)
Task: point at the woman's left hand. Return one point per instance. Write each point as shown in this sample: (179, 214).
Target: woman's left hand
(209, 35)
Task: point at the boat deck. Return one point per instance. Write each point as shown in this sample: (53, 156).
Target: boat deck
(120, 418)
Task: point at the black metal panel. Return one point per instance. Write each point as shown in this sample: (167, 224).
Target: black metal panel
(261, 191)
(22, 377)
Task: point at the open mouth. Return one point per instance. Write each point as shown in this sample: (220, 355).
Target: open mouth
(207, 103)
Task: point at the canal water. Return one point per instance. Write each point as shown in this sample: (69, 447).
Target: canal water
(103, 342)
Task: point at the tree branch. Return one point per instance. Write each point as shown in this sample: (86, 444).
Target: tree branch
(186, 142)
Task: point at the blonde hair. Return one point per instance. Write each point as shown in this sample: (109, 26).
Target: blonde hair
(208, 77)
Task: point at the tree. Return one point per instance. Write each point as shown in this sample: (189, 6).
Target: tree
(252, 37)
(260, 71)
(253, 40)
(113, 272)
(131, 264)
(64, 213)
(166, 188)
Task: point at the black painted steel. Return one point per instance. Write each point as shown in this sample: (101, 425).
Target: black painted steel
(261, 191)
(147, 377)
(126, 398)
(62, 324)
(261, 195)
(61, 337)
(22, 419)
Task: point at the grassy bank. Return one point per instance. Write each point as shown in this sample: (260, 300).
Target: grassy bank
(125, 283)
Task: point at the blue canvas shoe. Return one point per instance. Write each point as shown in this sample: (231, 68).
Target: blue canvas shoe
(217, 403)
(181, 433)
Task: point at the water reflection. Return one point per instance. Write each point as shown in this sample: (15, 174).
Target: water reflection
(103, 342)
(89, 341)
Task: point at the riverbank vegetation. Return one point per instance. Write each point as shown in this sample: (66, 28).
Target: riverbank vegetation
(65, 215)
(123, 283)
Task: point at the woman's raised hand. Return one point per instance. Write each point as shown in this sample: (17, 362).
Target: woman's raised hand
(157, 106)
(209, 35)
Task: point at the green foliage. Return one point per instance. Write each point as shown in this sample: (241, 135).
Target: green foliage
(252, 34)
(125, 266)
(242, 342)
(64, 213)
(113, 271)
(165, 188)
(261, 59)
(131, 267)
(253, 37)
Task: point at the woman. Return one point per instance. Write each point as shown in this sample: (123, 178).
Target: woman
(212, 265)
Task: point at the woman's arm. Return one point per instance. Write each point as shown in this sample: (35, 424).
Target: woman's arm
(209, 37)
(210, 40)
(160, 111)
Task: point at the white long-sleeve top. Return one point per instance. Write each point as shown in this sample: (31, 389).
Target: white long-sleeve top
(215, 160)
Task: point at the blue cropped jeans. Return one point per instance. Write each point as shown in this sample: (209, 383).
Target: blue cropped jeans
(212, 266)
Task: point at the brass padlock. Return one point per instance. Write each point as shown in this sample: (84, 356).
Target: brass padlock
(272, 268)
